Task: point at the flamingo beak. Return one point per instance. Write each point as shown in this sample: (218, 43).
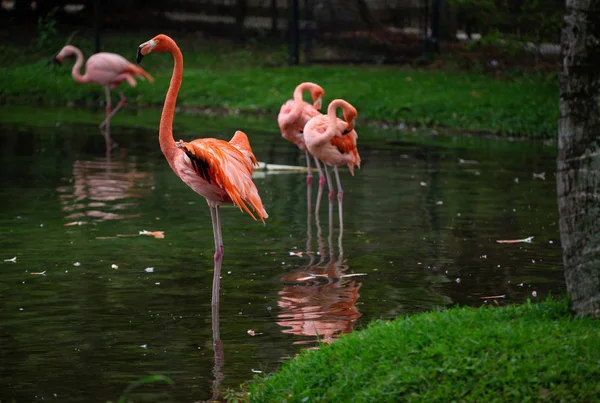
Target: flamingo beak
(139, 56)
(56, 60)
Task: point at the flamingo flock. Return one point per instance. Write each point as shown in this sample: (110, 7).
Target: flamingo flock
(221, 171)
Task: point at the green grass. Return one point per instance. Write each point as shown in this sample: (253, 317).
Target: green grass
(522, 353)
(229, 76)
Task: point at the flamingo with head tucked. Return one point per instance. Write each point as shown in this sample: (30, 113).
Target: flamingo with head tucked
(333, 141)
(107, 69)
(218, 170)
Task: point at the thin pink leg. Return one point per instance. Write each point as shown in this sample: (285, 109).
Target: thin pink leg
(107, 120)
(321, 184)
(110, 114)
(309, 168)
(219, 354)
(330, 186)
(219, 251)
(340, 196)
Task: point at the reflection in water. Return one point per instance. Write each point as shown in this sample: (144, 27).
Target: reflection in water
(219, 353)
(319, 299)
(99, 189)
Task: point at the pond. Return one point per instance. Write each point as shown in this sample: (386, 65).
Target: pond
(89, 305)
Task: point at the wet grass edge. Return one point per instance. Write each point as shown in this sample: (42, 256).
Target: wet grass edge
(529, 352)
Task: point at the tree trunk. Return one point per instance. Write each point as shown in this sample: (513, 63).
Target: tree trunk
(578, 176)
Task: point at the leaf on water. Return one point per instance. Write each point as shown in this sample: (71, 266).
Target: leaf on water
(12, 259)
(38, 273)
(541, 175)
(70, 224)
(353, 275)
(461, 161)
(524, 240)
(494, 296)
(155, 234)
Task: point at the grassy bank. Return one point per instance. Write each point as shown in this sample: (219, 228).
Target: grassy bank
(229, 76)
(516, 353)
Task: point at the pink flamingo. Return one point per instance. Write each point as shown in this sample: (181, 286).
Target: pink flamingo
(218, 170)
(333, 141)
(293, 115)
(107, 69)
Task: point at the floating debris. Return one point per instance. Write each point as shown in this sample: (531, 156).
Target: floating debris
(423, 183)
(541, 175)
(12, 259)
(516, 180)
(149, 269)
(143, 345)
(114, 266)
(253, 333)
(40, 273)
(524, 240)
(534, 294)
(494, 296)
(461, 161)
(70, 224)
(155, 234)
(256, 371)
(299, 254)
(76, 264)
(439, 203)
(353, 275)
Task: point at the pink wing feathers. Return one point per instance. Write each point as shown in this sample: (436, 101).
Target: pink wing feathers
(110, 68)
(226, 165)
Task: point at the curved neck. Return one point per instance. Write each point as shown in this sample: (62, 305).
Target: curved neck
(165, 134)
(76, 72)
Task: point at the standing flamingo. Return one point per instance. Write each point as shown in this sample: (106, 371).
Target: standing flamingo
(218, 170)
(333, 141)
(107, 69)
(293, 115)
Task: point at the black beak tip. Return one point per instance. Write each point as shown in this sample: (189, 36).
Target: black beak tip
(139, 56)
(56, 61)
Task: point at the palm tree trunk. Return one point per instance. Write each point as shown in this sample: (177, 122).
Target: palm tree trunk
(578, 176)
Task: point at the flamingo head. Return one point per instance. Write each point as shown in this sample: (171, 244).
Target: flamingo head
(160, 43)
(349, 115)
(317, 97)
(64, 52)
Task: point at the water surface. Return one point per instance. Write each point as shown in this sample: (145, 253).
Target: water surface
(421, 225)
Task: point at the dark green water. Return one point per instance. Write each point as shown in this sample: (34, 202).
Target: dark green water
(84, 330)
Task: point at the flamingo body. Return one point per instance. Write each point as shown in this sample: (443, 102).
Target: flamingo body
(220, 171)
(292, 124)
(335, 150)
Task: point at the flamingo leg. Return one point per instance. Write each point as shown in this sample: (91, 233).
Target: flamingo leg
(218, 258)
(110, 114)
(218, 349)
(330, 186)
(309, 168)
(321, 184)
(107, 125)
(340, 196)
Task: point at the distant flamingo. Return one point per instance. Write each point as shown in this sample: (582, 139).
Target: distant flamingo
(218, 170)
(294, 114)
(333, 141)
(107, 69)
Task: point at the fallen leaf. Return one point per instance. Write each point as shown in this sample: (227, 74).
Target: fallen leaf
(155, 234)
(70, 224)
(525, 240)
(13, 259)
(541, 176)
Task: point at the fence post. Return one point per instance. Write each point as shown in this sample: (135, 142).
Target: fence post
(274, 18)
(294, 34)
(308, 31)
(435, 24)
(97, 25)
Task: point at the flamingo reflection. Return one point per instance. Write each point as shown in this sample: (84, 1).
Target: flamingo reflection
(102, 189)
(319, 299)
